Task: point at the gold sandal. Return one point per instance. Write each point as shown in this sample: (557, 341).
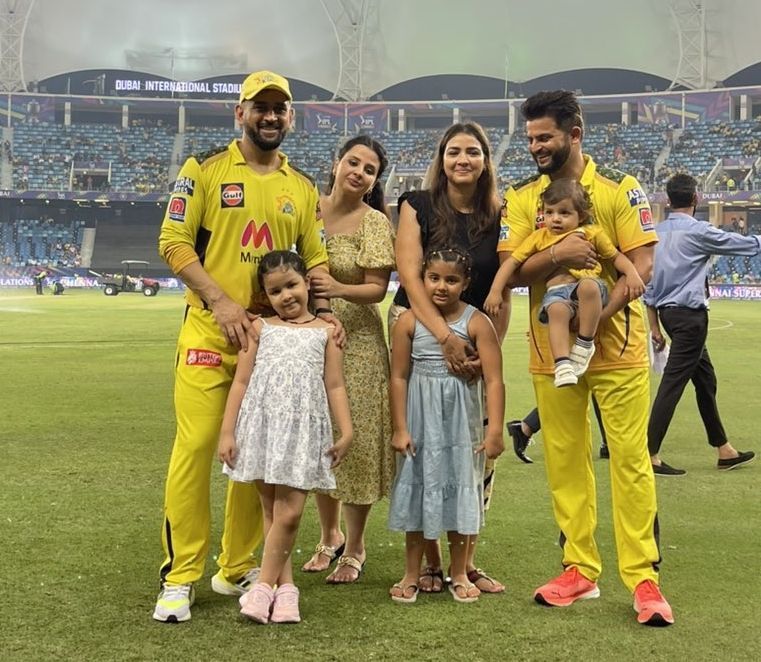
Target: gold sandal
(347, 562)
(326, 550)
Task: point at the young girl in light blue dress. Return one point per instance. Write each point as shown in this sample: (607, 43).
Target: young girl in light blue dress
(438, 427)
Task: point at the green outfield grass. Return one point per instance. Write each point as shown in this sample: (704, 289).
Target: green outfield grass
(86, 432)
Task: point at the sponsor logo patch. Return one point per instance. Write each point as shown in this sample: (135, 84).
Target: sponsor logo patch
(636, 197)
(256, 235)
(231, 195)
(539, 220)
(504, 232)
(646, 219)
(203, 358)
(185, 185)
(176, 209)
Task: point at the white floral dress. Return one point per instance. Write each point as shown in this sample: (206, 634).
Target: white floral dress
(283, 430)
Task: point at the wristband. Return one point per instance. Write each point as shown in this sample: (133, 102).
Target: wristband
(552, 256)
(320, 311)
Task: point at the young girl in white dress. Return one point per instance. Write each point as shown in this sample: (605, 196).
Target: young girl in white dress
(438, 427)
(276, 429)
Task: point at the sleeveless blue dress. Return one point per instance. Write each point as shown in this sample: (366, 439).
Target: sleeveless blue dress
(441, 488)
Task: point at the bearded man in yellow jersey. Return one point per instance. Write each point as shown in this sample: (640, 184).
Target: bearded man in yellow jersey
(617, 376)
(229, 207)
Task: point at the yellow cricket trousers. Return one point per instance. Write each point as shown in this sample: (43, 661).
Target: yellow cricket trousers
(205, 365)
(624, 399)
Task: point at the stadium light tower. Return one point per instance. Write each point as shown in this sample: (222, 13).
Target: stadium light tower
(13, 18)
(350, 19)
(689, 18)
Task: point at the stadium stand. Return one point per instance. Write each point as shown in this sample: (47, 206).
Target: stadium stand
(701, 146)
(41, 241)
(137, 157)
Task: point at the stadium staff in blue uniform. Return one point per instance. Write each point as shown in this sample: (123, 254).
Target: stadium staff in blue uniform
(229, 207)
(677, 297)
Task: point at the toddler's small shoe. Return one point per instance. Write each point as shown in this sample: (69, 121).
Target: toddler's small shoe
(580, 358)
(285, 608)
(256, 604)
(565, 375)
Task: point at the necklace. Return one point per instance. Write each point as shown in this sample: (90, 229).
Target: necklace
(311, 319)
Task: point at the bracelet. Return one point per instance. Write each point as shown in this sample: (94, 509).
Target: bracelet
(552, 256)
(320, 311)
(446, 337)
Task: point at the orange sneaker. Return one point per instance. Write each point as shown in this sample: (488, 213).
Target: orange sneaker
(651, 606)
(565, 589)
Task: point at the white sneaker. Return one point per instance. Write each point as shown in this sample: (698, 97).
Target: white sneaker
(174, 602)
(580, 358)
(564, 375)
(220, 585)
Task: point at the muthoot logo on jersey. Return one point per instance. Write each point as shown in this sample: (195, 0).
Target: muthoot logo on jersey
(256, 236)
(231, 195)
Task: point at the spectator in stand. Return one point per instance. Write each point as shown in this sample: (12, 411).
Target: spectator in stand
(677, 297)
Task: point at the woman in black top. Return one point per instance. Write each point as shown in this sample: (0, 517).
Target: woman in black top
(459, 207)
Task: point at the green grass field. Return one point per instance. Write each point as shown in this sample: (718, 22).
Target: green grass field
(86, 432)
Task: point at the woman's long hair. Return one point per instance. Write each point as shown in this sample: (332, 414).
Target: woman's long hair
(485, 201)
(375, 197)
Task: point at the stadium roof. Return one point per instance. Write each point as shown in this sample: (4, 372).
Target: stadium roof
(404, 39)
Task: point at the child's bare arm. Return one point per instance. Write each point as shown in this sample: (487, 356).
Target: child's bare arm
(335, 387)
(634, 285)
(481, 330)
(227, 450)
(400, 371)
(494, 298)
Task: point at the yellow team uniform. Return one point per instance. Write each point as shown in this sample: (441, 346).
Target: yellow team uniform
(617, 376)
(227, 216)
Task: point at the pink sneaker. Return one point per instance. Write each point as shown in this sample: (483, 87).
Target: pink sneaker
(257, 603)
(285, 609)
(565, 589)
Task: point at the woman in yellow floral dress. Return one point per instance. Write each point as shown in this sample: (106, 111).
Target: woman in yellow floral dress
(360, 246)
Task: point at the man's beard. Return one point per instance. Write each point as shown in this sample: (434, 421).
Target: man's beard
(557, 160)
(265, 145)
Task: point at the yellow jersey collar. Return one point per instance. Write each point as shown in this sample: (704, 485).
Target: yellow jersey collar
(590, 170)
(587, 176)
(239, 159)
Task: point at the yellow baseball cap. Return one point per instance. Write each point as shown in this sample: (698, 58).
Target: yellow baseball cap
(263, 80)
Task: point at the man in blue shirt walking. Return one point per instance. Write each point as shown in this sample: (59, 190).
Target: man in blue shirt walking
(677, 295)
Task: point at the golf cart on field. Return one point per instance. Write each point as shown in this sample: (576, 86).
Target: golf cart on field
(114, 284)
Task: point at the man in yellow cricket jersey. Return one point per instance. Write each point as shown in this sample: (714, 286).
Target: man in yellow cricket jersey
(617, 376)
(228, 208)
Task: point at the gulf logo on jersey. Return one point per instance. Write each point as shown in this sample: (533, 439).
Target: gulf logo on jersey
(256, 235)
(231, 195)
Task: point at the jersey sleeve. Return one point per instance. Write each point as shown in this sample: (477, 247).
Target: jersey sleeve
(633, 217)
(527, 247)
(182, 218)
(603, 245)
(516, 223)
(310, 242)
